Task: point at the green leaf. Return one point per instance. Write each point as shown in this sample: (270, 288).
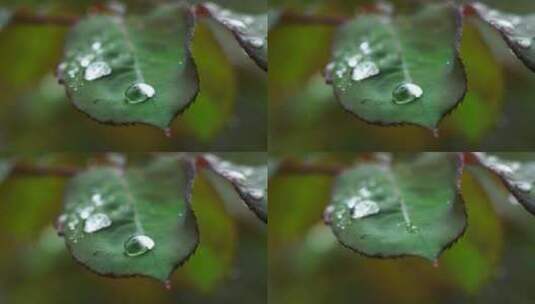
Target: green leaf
(251, 31)
(403, 70)
(133, 70)
(215, 103)
(112, 218)
(517, 31)
(413, 207)
(249, 181)
(517, 174)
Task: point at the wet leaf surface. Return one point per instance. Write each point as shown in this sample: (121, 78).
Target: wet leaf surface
(403, 70)
(132, 70)
(136, 222)
(250, 182)
(412, 207)
(251, 31)
(516, 172)
(517, 31)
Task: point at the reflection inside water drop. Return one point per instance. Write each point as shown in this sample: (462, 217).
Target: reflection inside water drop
(96, 70)
(406, 93)
(139, 92)
(138, 245)
(96, 222)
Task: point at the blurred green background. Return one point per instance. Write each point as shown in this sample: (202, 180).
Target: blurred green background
(492, 263)
(230, 113)
(304, 116)
(229, 266)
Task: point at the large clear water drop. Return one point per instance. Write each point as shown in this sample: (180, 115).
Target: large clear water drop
(96, 222)
(406, 93)
(96, 70)
(364, 208)
(139, 92)
(138, 245)
(364, 70)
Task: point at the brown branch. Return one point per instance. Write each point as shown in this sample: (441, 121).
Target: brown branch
(290, 167)
(293, 18)
(25, 169)
(26, 17)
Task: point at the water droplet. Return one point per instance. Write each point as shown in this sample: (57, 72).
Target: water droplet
(406, 93)
(327, 214)
(364, 70)
(503, 25)
(257, 194)
(365, 48)
(73, 224)
(411, 228)
(523, 42)
(96, 222)
(354, 60)
(256, 42)
(523, 186)
(138, 245)
(512, 200)
(97, 199)
(139, 92)
(96, 70)
(86, 60)
(96, 45)
(365, 208)
(86, 212)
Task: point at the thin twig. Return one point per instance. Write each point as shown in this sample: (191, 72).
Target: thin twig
(26, 17)
(291, 167)
(293, 18)
(25, 169)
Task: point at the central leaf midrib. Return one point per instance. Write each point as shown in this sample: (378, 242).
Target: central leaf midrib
(128, 41)
(394, 34)
(131, 200)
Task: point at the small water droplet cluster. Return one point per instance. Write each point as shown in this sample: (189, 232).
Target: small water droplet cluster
(510, 24)
(356, 203)
(250, 180)
(247, 26)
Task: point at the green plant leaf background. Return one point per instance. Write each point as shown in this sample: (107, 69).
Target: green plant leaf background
(305, 115)
(233, 99)
(230, 264)
(303, 249)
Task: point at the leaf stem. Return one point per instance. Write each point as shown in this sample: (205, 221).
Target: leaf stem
(25, 17)
(25, 169)
(293, 167)
(294, 18)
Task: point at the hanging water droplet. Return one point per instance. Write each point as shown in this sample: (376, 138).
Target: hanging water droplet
(138, 245)
(96, 222)
(139, 92)
(406, 93)
(365, 208)
(364, 70)
(96, 70)
(523, 42)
